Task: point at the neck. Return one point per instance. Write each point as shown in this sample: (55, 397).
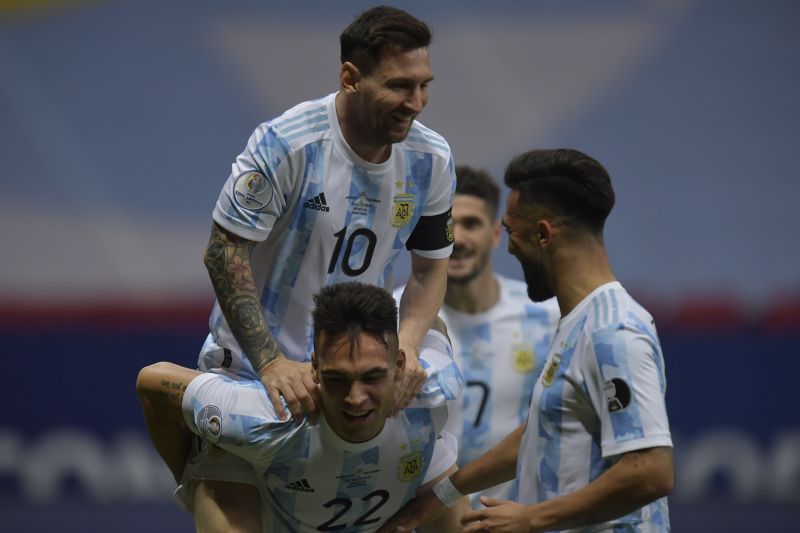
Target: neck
(578, 271)
(475, 296)
(348, 123)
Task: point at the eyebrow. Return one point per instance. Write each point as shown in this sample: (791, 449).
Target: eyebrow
(371, 372)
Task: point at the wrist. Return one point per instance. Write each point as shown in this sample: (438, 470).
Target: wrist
(446, 492)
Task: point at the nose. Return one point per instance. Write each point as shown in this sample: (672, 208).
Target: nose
(458, 234)
(356, 395)
(416, 100)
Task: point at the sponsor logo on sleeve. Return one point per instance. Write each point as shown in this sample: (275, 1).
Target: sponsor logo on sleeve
(618, 394)
(252, 190)
(209, 422)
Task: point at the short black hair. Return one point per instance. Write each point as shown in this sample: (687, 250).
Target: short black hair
(567, 182)
(478, 183)
(352, 308)
(367, 37)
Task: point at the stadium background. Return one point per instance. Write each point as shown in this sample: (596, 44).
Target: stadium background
(118, 123)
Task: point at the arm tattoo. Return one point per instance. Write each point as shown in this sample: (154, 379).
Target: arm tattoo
(227, 259)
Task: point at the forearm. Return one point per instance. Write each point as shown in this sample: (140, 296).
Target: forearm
(637, 479)
(496, 466)
(421, 298)
(227, 259)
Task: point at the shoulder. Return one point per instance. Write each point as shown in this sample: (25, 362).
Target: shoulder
(614, 315)
(303, 124)
(423, 139)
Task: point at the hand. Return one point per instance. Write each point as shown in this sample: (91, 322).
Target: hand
(499, 515)
(295, 382)
(411, 380)
(422, 509)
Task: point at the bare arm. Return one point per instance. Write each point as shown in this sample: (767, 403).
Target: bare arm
(227, 259)
(419, 305)
(450, 519)
(637, 479)
(160, 388)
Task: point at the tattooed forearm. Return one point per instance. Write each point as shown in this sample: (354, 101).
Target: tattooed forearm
(172, 392)
(227, 259)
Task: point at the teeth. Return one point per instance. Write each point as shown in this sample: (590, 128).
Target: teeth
(358, 413)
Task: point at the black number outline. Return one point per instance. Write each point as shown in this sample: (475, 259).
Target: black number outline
(352, 272)
(326, 526)
(362, 520)
(484, 399)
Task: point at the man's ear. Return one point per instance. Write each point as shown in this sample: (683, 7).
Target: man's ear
(400, 364)
(544, 232)
(314, 367)
(349, 78)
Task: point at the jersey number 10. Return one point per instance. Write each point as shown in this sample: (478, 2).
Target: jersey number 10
(372, 240)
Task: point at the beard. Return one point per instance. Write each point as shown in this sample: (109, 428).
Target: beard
(539, 289)
(481, 261)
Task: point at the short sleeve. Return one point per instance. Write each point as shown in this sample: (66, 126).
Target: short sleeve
(445, 380)
(254, 196)
(236, 415)
(626, 384)
(433, 235)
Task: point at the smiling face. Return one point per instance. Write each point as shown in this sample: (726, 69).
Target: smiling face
(523, 244)
(357, 380)
(476, 234)
(391, 96)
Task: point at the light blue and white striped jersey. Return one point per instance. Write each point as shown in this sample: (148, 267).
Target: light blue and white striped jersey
(601, 394)
(309, 478)
(320, 214)
(501, 353)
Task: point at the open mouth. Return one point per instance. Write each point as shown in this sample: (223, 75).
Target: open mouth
(356, 417)
(402, 120)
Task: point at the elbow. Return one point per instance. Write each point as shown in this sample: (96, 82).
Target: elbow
(148, 379)
(660, 479)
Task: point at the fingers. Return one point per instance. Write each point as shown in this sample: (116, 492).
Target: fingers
(294, 382)
(410, 384)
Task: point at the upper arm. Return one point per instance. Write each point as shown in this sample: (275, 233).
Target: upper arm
(626, 384)
(161, 386)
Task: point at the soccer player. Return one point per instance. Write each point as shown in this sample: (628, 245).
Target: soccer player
(332, 190)
(500, 338)
(596, 450)
(355, 467)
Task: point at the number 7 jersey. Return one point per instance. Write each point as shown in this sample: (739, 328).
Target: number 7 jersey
(320, 214)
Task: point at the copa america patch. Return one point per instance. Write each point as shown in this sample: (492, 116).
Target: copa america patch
(209, 422)
(618, 394)
(252, 190)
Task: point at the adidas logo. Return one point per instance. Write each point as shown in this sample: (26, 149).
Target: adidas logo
(299, 486)
(318, 203)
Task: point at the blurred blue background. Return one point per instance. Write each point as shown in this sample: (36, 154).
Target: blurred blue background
(119, 121)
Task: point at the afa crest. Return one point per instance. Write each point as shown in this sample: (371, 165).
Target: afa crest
(549, 373)
(523, 358)
(451, 235)
(402, 209)
(410, 467)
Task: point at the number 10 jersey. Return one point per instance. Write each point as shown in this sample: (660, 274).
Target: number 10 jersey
(320, 214)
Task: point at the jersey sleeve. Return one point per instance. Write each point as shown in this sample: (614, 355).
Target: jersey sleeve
(256, 192)
(626, 384)
(237, 416)
(444, 381)
(433, 235)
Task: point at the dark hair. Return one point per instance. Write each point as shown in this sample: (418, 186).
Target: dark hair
(480, 184)
(366, 38)
(351, 308)
(565, 181)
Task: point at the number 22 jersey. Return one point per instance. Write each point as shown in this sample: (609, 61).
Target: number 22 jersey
(320, 214)
(309, 478)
